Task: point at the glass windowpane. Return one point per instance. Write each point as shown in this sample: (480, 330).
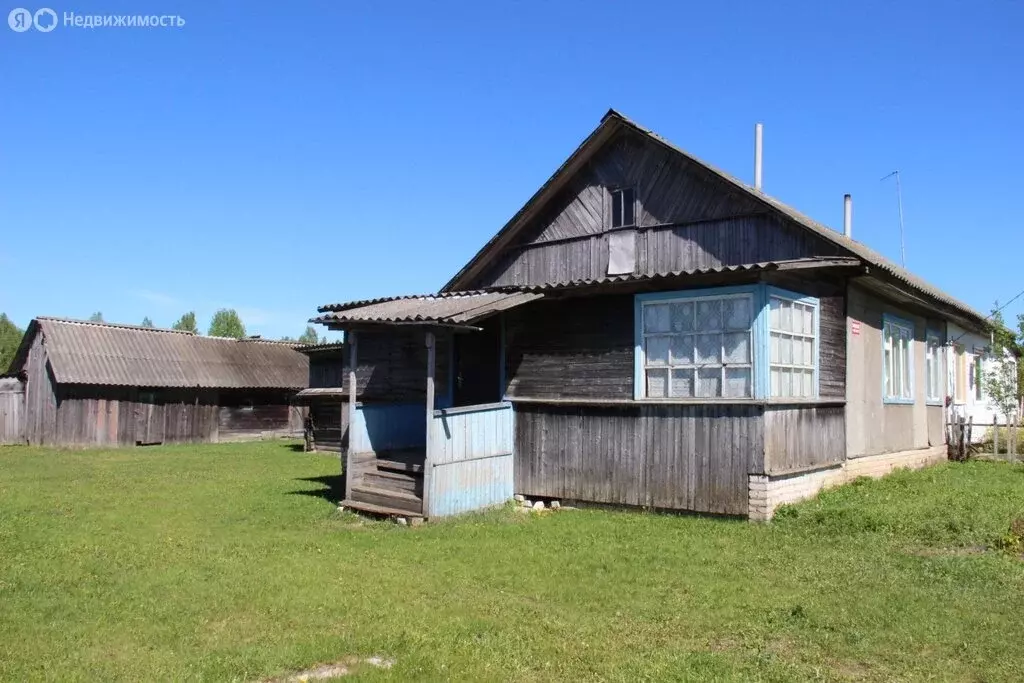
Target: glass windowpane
(737, 383)
(682, 383)
(657, 350)
(682, 349)
(682, 317)
(709, 315)
(737, 314)
(737, 347)
(709, 349)
(656, 383)
(656, 318)
(709, 382)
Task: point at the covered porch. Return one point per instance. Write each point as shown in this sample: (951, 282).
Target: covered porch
(438, 445)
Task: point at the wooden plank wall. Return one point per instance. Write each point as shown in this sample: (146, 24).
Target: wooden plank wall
(572, 348)
(392, 366)
(679, 457)
(686, 219)
(40, 401)
(470, 453)
(330, 422)
(801, 438)
(12, 411)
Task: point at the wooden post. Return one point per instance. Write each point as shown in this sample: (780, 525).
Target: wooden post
(995, 434)
(427, 465)
(967, 437)
(353, 359)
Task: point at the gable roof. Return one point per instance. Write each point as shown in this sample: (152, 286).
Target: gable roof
(612, 123)
(82, 352)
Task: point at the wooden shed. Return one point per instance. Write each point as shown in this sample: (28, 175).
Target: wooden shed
(101, 384)
(691, 343)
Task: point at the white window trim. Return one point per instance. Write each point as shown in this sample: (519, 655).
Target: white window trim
(904, 325)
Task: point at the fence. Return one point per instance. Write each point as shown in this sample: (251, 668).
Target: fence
(968, 438)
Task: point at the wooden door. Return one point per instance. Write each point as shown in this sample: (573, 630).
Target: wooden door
(149, 419)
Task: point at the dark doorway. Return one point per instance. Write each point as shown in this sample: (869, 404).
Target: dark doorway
(476, 363)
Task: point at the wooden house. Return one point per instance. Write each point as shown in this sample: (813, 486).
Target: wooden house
(99, 384)
(646, 331)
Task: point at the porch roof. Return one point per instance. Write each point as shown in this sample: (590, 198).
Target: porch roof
(449, 309)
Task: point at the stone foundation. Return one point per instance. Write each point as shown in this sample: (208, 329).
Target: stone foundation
(766, 493)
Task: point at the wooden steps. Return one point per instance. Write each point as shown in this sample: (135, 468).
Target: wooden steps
(394, 481)
(388, 483)
(377, 509)
(388, 498)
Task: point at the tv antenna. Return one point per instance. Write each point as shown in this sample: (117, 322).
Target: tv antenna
(899, 202)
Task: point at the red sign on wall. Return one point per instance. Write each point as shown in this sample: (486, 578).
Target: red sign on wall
(855, 327)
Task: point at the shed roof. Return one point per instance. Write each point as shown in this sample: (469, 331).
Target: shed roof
(125, 355)
(611, 123)
(455, 308)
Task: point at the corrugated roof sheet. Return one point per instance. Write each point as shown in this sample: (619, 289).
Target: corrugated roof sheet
(604, 132)
(101, 353)
(455, 309)
(643, 277)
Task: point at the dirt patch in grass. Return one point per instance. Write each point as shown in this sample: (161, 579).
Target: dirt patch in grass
(325, 672)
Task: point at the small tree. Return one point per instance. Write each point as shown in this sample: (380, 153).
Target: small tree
(10, 339)
(226, 323)
(146, 322)
(1002, 383)
(187, 323)
(309, 336)
(96, 317)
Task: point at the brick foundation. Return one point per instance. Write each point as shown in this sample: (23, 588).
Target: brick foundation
(766, 493)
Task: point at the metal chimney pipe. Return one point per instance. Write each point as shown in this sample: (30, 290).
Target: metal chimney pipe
(847, 215)
(758, 136)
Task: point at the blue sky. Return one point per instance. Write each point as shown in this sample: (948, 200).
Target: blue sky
(290, 155)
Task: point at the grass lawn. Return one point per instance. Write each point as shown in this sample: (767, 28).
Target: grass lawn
(230, 562)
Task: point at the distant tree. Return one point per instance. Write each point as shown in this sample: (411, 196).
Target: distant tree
(96, 317)
(146, 322)
(226, 323)
(286, 338)
(309, 336)
(187, 323)
(10, 339)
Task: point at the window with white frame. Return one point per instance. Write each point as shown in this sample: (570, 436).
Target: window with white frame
(933, 367)
(898, 359)
(698, 347)
(792, 332)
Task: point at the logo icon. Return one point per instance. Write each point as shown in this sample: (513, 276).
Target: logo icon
(20, 19)
(45, 20)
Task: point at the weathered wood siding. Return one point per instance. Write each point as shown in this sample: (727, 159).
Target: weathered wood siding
(40, 400)
(470, 459)
(686, 219)
(678, 457)
(12, 411)
(391, 366)
(123, 416)
(801, 438)
(330, 424)
(574, 348)
(253, 414)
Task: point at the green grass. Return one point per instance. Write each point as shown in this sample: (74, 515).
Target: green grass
(229, 562)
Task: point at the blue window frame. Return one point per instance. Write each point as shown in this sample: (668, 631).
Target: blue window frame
(897, 359)
(743, 342)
